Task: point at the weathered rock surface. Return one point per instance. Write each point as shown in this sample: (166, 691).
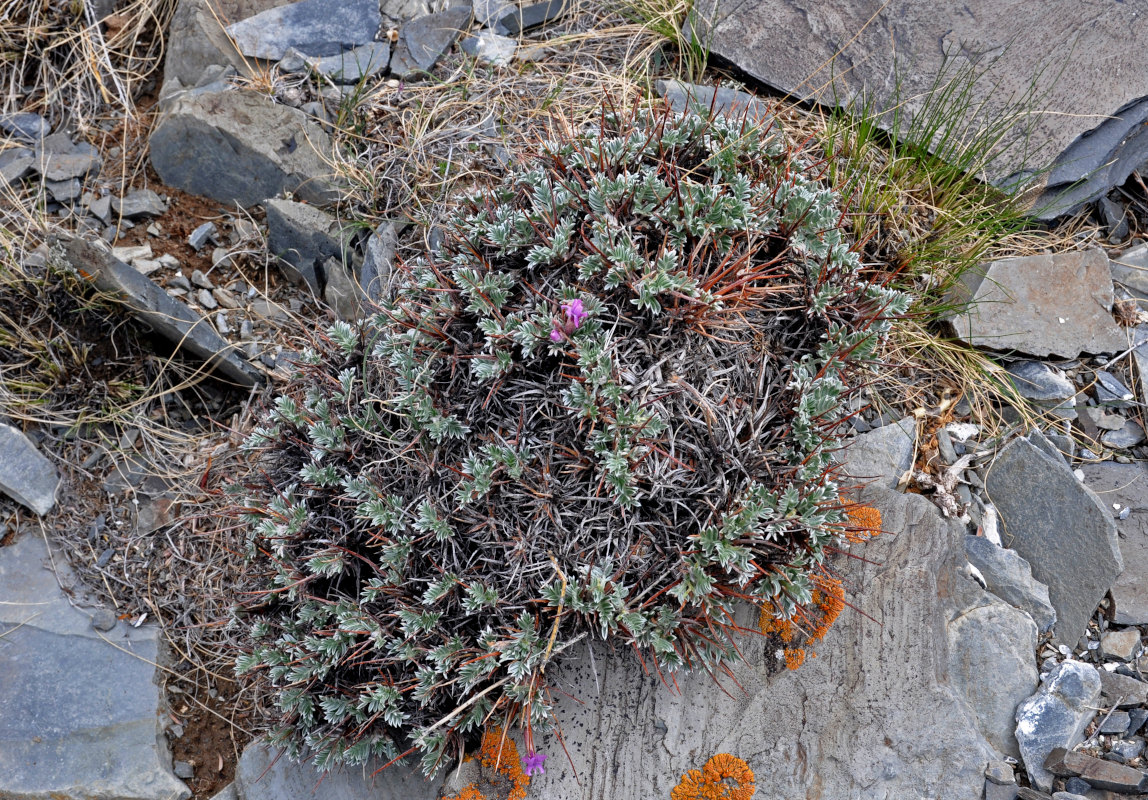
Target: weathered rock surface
(1098, 772)
(1122, 690)
(303, 237)
(489, 47)
(729, 102)
(58, 158)
(263, 775)
(886, 451)
(1036, 380)
(354, 65)
(25, 125)
(79, 710)
(167, 316)
(1009, 577)
(1056, 716)
(138, 203)
(378, 261)
(314, 27)
(1127, 485)
(1060, 527)
(341, 292)
(880, 713)
(25, 474)
(894, 51)
(1041, 305)
(239, 147)
(198, 39)
(423, 40)
(1130, 270)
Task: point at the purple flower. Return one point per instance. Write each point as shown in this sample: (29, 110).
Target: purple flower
(555, 335)
(574, 312)
(532, 763)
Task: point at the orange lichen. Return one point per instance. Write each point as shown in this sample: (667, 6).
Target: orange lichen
(468, 792)
(724, 777)
(794, 657)
(864, 523)
(499, 753)
(829, 599)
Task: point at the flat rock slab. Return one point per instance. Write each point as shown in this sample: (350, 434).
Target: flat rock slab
(240, 147)
(1040, 305)
(892, 707)
(314, 27)
(263, 774)
(1127, 486)
(883, 454)
(1085, 121)
(1009, 577)
(79, 710)
(423, 40)
(167, 316)
(354, 65)
(25, 474)
(1056, 716)
(1060, 527)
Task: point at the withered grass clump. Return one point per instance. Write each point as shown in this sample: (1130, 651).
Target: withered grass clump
(606, 408)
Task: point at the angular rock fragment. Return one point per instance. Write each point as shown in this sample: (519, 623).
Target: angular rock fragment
(82, 708)
(1130, 270)
(722, 100)
(488, 47)
(25, 474)
(1056, 716)
(1129, 434)
(1060, 527)
(25, 125)
(423, 40)
(532, 16)
(304, 238)
(1123, 645)
(200, 236)
(353, 65)
(1126, 485)
(58, 159)
(239, 147)
(1111, 392)
(314, 27)
(15, 164)
(341, 292)
(151, 304)
(374, 274)
(1101, 774)
(886, 451)
(1121, 690)
(139, 203)
(1040, 305)
(1009, 577)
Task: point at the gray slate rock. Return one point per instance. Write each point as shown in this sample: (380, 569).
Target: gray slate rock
(57, 158)
(1056, 716)
(1009, 577)
(723, 100)
(262, 774)
(532, 16)
(303, 237)
(1130, 270)
(1060, 527)
(25, 125)
(1040, 305)
(64, 191)
(790, 44)
(378, 262)
(1128, 435)
(1036, 380)
(1122, 645)
(239, 147)
(487, 46)
(354, 65)
(1111, 392)
(81, 709)
(25, 474)
(167, 316)
(197, 44)
(199, 237)
(883, 454)
(994, 791)
(870, 717)
(341, 292)
(314, 27)
(1127, 485)
(16, 163)
(423, 40)
(1122, 690)
(139, 203)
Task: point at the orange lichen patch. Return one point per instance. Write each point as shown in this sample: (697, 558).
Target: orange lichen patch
(864, 523)
(469, 792)
(794, 657)
(829, 600)
(724, 777)
(499, 753)
(784, 628)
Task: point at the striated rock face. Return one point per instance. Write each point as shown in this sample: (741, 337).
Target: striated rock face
(79, 708)
(908, 704)
(1086, 122)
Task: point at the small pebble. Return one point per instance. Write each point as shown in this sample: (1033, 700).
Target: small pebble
(179, 282)
(201, 280)
(183, 769)
(206, 299)
(221, 324)
(103, 619)
(225, 298)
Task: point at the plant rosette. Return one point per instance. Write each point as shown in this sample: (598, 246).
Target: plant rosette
(605, 410)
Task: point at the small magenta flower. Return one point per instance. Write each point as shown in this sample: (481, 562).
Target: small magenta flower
(575, 315)
(574, 312)
(532, 764)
